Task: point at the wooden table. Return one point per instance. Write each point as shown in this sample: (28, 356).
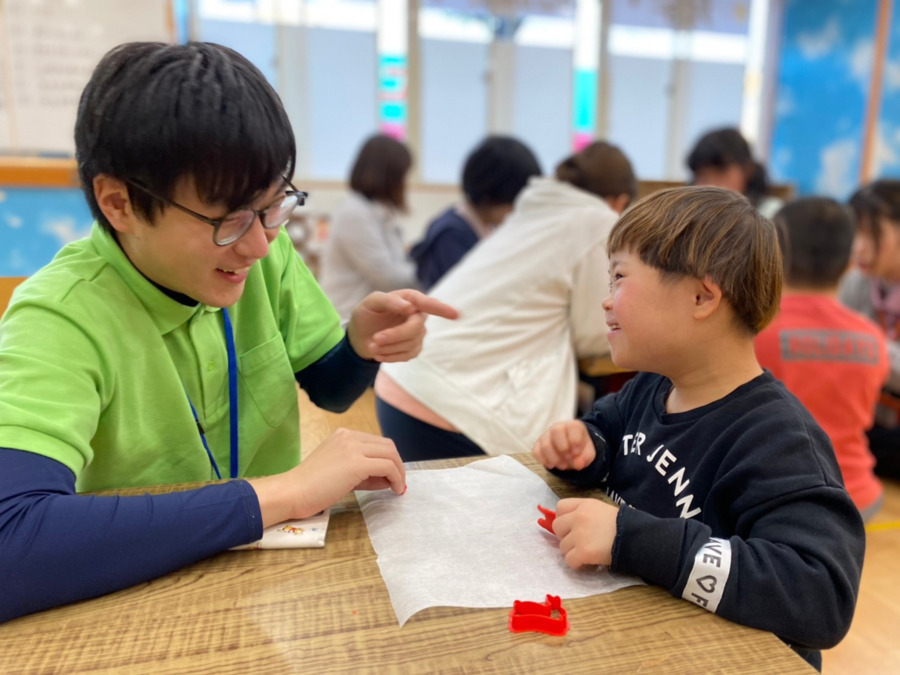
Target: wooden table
(327, 611)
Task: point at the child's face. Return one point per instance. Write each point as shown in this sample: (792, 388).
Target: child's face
(648, 318)
(881, 259)
(730, 177)
(177, 251)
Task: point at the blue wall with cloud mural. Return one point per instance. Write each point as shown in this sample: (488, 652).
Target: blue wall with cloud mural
(35, 223)
(822, 92)
(887, 150)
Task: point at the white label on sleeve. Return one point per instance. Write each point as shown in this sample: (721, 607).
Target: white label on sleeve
(706, 584)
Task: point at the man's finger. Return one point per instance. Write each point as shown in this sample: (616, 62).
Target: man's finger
(390, 470)
(394, 302)
(389, 347)
(411, 329)
(396, 354)
(428, 305)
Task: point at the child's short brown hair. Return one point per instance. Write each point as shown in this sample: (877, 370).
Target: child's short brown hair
(708, 231)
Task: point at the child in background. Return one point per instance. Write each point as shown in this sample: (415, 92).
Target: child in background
(831, 358)
(494, 174)
(722, 158)
(730, 494)
(873, 289)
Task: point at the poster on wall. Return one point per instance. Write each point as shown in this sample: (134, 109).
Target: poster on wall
(48, 49)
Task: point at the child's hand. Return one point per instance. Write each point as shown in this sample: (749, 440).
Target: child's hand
(565, 445)
(586, 529)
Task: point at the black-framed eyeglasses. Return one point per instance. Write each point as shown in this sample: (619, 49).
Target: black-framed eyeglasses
(232, 226)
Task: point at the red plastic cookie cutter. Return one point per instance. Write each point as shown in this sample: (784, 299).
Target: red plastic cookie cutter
(547, 521)
(539, 616)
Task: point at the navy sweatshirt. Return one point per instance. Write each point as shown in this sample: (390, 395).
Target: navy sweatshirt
(447, 239)
(737, 506)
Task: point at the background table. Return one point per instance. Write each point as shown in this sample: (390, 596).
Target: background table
(327, 610)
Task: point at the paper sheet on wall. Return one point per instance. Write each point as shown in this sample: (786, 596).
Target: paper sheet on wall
(468, 537)
(49, 49)
(305, 533)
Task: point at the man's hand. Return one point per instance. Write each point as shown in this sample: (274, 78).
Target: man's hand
(565, 445)
(586, 529)
(347, 460)
(391, 326)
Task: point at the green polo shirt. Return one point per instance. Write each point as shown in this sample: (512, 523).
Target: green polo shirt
(96, 366)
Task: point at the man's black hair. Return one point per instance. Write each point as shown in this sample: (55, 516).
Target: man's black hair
(497, 170)
(156, 113)
(719, 149)
(816, 235)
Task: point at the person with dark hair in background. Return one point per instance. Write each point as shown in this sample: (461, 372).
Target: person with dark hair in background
(831, 358)
(722, 158)
(528, 297)
(873, 289)
(494, 174)
(167, 346)
(364, 251)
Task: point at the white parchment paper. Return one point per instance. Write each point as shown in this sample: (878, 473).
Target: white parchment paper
(468, 537)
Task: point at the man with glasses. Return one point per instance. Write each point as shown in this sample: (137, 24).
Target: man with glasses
(166, 346)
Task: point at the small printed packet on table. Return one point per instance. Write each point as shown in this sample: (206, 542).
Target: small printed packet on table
(305, 533)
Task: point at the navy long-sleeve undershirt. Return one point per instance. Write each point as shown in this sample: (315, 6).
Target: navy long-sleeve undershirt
(337, 379)
(58, 547)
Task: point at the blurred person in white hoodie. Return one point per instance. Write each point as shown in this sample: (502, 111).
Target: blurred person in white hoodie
(529, 307)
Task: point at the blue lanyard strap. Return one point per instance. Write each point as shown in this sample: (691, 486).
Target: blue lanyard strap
(232, 391)
(212, 460)
(233, 403)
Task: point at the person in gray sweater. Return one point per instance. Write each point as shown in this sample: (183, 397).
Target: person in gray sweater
(365, 251)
